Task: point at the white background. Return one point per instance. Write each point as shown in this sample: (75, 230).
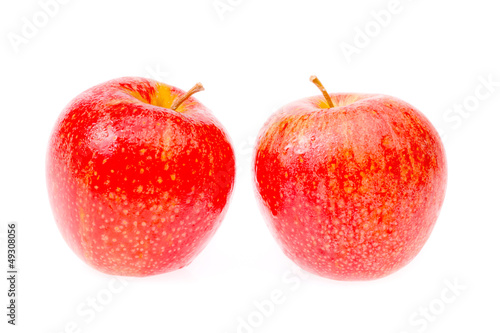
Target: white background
(253, 59)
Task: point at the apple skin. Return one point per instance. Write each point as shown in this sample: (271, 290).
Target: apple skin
(137, 188)
(350, 192)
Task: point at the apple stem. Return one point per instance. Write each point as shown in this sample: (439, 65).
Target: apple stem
(318, 84)
(180, 99)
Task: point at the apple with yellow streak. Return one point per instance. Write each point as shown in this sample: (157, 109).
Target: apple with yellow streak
(139, 175)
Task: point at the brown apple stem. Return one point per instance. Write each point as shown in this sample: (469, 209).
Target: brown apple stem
(180, 99)
(318, 84)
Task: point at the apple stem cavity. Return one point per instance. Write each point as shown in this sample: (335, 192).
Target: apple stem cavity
(180, 99)
(318, 84)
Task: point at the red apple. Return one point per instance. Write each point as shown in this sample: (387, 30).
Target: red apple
(139, 175)
(351, 184)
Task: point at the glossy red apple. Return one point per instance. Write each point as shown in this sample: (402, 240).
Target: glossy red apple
(351, 184)
(139, 175)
